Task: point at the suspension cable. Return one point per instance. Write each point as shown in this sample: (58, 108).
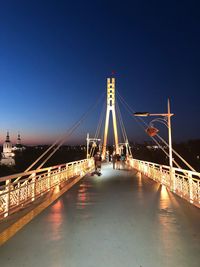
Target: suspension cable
(166, 153)
(121, 123)
(73, 128)
(98, 128)
(176, 153)
(121, 136)
(123, 128)
(131, 111)
(59, 142)
(62, 139)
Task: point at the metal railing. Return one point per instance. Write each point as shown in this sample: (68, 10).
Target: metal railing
(17, 193)
(184, 183)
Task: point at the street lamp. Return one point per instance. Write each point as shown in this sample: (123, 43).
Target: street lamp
(167, 122)
(128, 150)
(93, 140)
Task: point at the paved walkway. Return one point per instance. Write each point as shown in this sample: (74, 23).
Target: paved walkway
(117, 219)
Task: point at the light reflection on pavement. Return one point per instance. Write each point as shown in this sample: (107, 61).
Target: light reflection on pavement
(117, 219)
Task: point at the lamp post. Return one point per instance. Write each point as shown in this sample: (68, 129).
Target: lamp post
(126, 144)
(168, 121)
(93, 140)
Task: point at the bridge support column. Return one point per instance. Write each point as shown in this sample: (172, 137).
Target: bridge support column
(110, 108)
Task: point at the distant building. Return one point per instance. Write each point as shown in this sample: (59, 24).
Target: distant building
(154, 147)
(7, 154)
(18, 146)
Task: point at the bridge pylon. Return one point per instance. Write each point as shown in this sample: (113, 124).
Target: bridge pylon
(110, 108)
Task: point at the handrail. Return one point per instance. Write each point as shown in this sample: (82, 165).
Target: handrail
(15, 194)
(16, 175)
(185, 183)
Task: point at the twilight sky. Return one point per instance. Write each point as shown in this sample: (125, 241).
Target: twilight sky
(55, 57)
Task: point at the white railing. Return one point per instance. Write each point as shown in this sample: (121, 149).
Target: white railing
(184, 183)
(18, 193)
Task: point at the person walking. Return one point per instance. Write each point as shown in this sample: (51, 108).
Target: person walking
(114, 160)
(97, 163)
(118, 161)
(96, 158)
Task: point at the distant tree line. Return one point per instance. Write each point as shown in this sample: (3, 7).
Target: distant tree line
(189, 150)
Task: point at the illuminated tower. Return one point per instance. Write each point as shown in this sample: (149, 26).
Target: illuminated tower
(7, 147)
(19, 139)
(19, 146)
(110, 107)
(7, 154)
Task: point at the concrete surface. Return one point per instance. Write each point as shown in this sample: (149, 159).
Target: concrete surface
(117, 219)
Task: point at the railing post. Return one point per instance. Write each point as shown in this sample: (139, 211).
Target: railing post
(161, 179)
(7, 209)
(75, 169)
(172, 179)
(33, 181)
(49, 179)
(190, 183)
(59, 175)
(18, 193)
(66, 168)
(18, 199)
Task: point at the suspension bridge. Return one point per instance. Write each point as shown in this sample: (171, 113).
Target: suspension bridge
(140, 214)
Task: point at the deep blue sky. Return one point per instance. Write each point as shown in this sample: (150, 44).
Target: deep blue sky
(55, 57)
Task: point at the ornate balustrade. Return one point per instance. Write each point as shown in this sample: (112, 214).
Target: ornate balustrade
(184, 183)
(19, 190)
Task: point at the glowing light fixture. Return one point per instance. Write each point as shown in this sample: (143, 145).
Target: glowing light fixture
(153, 131)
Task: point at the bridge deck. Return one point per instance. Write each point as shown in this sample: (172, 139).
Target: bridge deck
(117, 219)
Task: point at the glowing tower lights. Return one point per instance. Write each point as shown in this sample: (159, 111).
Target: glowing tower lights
(110, 107)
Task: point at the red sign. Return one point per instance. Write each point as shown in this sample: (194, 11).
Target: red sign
(152, 131)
